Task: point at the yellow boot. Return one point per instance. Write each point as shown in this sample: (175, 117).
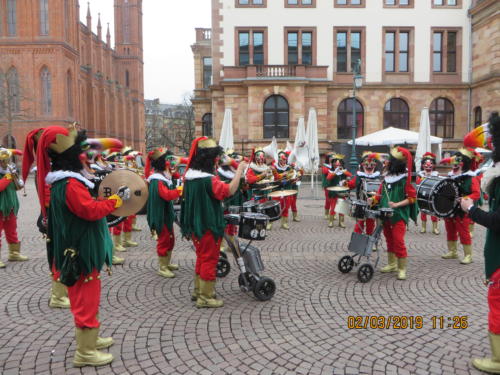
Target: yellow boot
(103, 342)
(117, 242)
(2, 264)
(284, 222)
(164, 270)
(171, 266)
(295, 216)
(86, 352)
(206, 297)
(490, 365)
(154, 236)
(135, 228)
(452, 251)
(330, 221)
(341, 221)
(223, 245)
(269, 226)
(327, 214)
(467, 254)
(116, 261)
(196, 290)
(435, 228)
(402, 263)
(59, 296)
(128, 240)
(424, 227)
(15, 253)
(392, 265)
(471, 230)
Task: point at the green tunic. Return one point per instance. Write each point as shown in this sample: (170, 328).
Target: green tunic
(8, 200)
(335, 181)
(491, 250)
(200, 210)
(160, 211)
(396, 192)
(90, 239)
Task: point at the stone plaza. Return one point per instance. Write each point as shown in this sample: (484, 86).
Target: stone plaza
(302, 330)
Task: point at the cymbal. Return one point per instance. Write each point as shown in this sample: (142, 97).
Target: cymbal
(263, 182)
(338, 188)
(271, 187)
(138, 191)
(282, 193)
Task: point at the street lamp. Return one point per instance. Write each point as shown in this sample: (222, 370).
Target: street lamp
(357, 83)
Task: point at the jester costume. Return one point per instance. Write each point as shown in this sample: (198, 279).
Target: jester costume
(457, 226)
(77, 230)
(337, 176)
(325, 170)
(398, 193)
(428, 169)
(9, 204)
(286, 175)
(160, 213)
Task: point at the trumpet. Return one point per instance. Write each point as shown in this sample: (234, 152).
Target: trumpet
(15, 178)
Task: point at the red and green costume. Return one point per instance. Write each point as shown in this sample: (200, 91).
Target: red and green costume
(202, 218)
(334, 178)
(325, 170)
(235, 200)
(9, 207)
(363, 225)
(160, 214)
(279, 172)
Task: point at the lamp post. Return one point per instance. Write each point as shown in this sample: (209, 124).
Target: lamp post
(357, 83)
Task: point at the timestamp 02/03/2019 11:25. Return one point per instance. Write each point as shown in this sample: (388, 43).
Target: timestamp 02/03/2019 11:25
(407, 322)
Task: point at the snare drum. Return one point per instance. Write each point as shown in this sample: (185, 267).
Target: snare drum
(250, 206)
(438, 196)
(358, 209)
(343, 207)
(385, 213)
(370, 187)
(232, 219)
(253, 226)
(272, 209)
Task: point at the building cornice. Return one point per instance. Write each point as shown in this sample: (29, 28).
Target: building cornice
(45, 43)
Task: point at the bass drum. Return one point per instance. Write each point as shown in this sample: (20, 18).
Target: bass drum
(438, 196)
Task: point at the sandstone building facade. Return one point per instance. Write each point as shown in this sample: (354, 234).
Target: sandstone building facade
(59, 71)
(270, 61)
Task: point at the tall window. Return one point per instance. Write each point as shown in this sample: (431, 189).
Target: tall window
(207, 72)
(251, 47)
(276, 117)
(444, 51)
(44, 17)
(396, 114)
(66, 19)
(206, 123)
(126, 22)
(348, 49)
(478, 117)
(11, 17)
(300, 47)
(127, 78)
(46, 82)
(69, 93)
(13, 99)
(397, 49)
(442, 118)
(344, 118)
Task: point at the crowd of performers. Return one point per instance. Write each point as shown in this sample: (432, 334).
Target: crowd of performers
(73, 218)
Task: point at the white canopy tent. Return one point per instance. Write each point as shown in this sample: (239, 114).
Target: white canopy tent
(392, 136)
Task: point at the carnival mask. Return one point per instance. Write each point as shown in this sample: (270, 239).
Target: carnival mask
(369, 166)
(428, 165)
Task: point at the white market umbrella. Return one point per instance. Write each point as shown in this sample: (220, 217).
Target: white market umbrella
(424, 136)
(226, 136)
(300, 153)
(312, 144)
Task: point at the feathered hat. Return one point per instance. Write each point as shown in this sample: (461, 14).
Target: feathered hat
(403, 154)
(369, 155)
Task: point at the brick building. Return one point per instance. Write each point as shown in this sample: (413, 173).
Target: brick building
(59, 71)
(270, 61)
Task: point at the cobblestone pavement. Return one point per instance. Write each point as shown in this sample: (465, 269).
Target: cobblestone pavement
(302, 330)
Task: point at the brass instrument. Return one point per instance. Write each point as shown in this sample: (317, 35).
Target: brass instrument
(15, 178)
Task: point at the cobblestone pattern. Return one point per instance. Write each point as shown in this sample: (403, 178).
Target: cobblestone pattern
(302, 330)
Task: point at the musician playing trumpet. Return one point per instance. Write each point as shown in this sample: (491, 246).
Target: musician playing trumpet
(10, 182)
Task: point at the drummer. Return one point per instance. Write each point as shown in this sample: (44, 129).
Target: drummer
(285, 174)
(337, 176)
(428, 169)
(463, 166)
(325, 169)
(258, 171)
(397, 193)
(367, 172)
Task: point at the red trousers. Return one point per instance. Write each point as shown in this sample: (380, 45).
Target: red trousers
(84, 298)
(494, 303)
(458, 227)
(361, 224)
(423, 217)
(207, 256)
(293, 202)
(125, 226)
(231, 229)
(333, 204)
(327, 200)
(395, 238)
(285, 203)
(117, 229)
(166, 242)
(9, 226)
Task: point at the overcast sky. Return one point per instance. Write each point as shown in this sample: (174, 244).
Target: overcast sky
(168, 34)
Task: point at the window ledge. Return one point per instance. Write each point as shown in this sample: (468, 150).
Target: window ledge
(446, 73)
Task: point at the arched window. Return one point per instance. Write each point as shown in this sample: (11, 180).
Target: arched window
(276, 117)
(442, 117)
(478, 116)
(46, 82)
(11, 17)
(396, 114)
(13, 95)
(69, 93)
(206, 122)
(44, 17)
(344, 119)
(127, 78)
